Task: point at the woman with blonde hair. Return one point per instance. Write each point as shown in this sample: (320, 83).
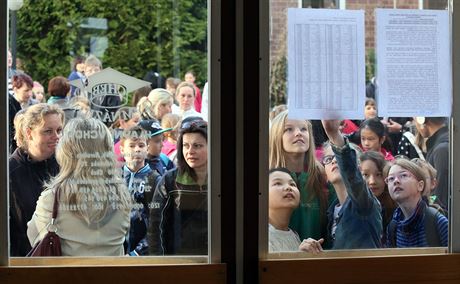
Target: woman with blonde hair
(94, 204)
(156, 105)
(292, 146)
(38, 130)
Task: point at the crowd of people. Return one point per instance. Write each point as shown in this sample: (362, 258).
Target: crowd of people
(138, 186)
(134, 186)
(343, 184)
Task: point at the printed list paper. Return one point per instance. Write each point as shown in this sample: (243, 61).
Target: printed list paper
(326, 67)
(414, 76)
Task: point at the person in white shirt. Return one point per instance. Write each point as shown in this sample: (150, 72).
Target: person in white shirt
(185, 95)
(283, 198)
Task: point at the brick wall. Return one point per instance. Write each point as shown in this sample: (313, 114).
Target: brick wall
(278, 21)
(278, 25)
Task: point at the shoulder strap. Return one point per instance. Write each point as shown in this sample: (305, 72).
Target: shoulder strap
(391, 233)
(431, 227)
(56, 204)
(411, 139)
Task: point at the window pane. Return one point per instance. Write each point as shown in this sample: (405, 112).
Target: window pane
(101, 97)
(314, 206)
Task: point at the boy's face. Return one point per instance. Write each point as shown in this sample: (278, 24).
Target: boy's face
(283, 192)
(134, 151)
(370, 111)
(155, 145)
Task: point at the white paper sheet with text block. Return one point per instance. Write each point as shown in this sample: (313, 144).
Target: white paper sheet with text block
(326, 67)
(414, 71)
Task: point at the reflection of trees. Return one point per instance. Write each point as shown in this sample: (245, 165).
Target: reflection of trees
(168, 36)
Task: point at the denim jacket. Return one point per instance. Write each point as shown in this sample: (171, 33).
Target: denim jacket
(359, 225)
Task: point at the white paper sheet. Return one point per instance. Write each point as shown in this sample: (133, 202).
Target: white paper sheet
(326, 67)
(414, 76)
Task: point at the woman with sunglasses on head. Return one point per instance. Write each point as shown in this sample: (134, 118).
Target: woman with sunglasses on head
(354, 217)
(179, 211)
(414, 223)
(292, 146)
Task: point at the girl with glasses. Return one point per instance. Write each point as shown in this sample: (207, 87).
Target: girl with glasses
(414, 223)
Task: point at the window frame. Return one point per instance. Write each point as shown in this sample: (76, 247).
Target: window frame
(208, 269)
(454, 220)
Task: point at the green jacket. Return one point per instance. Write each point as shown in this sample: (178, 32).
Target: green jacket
(305, 220)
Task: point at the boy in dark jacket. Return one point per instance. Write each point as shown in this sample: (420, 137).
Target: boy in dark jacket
(157, 160)
(140, 180)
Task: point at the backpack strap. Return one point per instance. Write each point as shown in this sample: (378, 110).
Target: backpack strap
(391, 233)
(431, 226)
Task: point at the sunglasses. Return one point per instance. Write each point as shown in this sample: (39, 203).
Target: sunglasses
(194, 124)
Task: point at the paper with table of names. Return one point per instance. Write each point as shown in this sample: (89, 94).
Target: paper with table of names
(326, 67)
(414, 76)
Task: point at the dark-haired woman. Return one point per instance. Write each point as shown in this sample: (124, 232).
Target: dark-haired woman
(179, 215)
(22, 86)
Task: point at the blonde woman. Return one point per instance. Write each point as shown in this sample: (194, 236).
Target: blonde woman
(94, 204)
(156, 105)
(292, 147)
(38, 130)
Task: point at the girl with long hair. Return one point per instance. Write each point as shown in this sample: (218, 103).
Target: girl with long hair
(94, 204)
(291, 146)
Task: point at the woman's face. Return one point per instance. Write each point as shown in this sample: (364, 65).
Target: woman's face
(195, 150)
(189, 78)
(23, 94)
(39, 93)
(185, 98)
(296, 137)
(43, 139)
(164, 109)
(373, 177)
(403, 185)
(370, 140)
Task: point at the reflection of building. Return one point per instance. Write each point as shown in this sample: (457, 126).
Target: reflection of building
(278, 15)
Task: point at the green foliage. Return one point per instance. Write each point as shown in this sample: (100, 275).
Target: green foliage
(370, 64)
(168, 36)
(278, 79)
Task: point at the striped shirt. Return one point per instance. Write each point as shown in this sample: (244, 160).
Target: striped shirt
(411, 232)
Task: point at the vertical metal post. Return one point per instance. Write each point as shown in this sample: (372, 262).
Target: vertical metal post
(13, 14)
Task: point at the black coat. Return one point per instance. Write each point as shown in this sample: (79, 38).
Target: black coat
(179, 217)
(437, 154)
(13, 107)
(26, 184)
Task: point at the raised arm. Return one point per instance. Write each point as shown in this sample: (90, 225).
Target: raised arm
(347, 162)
